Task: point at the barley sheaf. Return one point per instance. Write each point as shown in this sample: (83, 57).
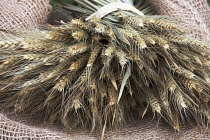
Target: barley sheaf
(105, 70)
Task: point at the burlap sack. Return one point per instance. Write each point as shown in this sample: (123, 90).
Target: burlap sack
(17, 15)
(194, 13)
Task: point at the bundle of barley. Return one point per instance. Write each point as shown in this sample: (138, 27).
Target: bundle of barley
(105, 69)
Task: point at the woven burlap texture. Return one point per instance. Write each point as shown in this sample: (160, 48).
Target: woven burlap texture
(30, 14)
(194, 13)
(19, 15)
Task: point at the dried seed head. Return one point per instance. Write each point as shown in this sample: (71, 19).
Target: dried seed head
(160, 41)
(108, 54)
(110, 50)
(110, 34)
(191, 84)
(161, 24)
(80, 35)
(11, 43)
(133, 21)
(63, 82)
(154, 103)
(149, 39)
(122, 57)
(174, 89)
(77, 48)
(33, 56)
(186, 73)
(179, 98)
(55, 36)
(39, 45)
(112, 93)
(140, 42)
(77, 64)
(93, 56)
(9, 61)
(100, 28)
(64, 28)
(31, 82)
(78, 23)
(76, 104)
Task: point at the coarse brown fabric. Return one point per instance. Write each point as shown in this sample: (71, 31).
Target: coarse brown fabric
(194, 13)
(19, 15)
(30, 14)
